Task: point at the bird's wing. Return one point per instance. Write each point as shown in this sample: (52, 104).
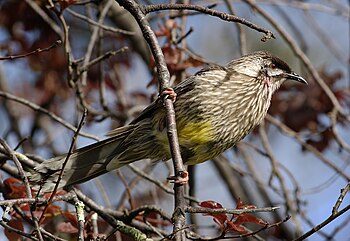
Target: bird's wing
(210, 68)
(184, 86)
(120, 131)
(188, 84)
(179, 89)
(151, 109)
(146, 113)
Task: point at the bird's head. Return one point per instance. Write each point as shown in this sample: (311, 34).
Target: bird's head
(266, 68)
(277, 69)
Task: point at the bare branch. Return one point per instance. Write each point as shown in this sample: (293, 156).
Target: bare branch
(299, 52)
(24, 177)
(104, 27)
(230, 211)
(46, 112)
(226, 17)
(285, 129)
(37, 51)
(340, 199)
(324, 223)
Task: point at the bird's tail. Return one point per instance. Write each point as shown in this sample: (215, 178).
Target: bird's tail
(82, 165)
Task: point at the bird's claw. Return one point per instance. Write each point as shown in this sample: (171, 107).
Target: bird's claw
(181, 178)
(169, 92)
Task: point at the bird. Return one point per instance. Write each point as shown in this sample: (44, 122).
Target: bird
(215, 108)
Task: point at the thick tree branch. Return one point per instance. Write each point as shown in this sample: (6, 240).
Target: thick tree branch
(163, 78)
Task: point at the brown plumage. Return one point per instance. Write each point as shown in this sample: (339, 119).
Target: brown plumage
(215, 108)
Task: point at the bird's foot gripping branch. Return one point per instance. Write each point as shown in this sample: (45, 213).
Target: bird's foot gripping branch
(181, 178)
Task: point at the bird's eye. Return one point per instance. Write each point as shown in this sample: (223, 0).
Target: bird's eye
(273, 66)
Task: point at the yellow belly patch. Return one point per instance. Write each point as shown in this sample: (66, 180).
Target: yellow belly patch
(194, 136)
(197, 133)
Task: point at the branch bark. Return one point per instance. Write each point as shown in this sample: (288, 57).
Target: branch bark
(163, 78)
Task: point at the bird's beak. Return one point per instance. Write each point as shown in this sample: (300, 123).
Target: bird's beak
(296, 77)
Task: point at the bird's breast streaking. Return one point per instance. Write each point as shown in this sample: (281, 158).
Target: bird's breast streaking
(209, 126)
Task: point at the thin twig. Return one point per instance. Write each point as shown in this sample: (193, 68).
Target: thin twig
(263, 228)
(101, 58)
(105, 213)
(255, 174)
(101, 73)
(250, 234)
(24, 178)
(231, 211)
(333, 116)
(67, 49)
(23, 159)
(275, 172)
(285, 129)
(241, 31)
(95, 33)
(20, 232)
(299, 52)
(81, 123)
(326, 38)
(127, 189)
(158, 183)
(224, 16)
(38, 108)
(342, 11)
(45, 17)
(148, 208)
(104, 27)
(37, 200)
(340, 199)
(321, 225)
(37, 51)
